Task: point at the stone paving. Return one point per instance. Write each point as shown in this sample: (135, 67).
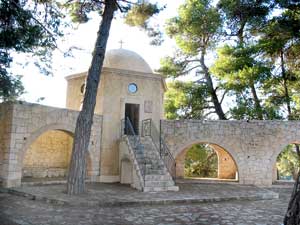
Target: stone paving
(101, 194)
(23, 211)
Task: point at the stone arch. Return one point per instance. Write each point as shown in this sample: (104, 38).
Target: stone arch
(35, 134)
(277, 151)
(66, 128)
(38, 132)
(182, 150)
(280, 147)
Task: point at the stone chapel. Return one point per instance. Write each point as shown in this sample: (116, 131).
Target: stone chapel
(131, 142)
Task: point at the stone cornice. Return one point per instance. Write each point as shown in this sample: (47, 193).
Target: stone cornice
(130, 73)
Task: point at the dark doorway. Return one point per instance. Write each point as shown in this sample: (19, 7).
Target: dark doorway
(132, 112)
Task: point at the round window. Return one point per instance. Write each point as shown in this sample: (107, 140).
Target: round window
(132, 88)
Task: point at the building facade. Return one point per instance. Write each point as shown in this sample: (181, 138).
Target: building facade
(147, 152)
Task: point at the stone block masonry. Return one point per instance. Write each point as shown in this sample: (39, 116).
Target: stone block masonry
(253, 145)
(49, 155)
(23, 123)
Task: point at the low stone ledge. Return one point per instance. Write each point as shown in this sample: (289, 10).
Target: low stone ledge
(55, 194)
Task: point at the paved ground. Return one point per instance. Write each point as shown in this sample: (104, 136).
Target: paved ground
(116, 194)
(24, 211)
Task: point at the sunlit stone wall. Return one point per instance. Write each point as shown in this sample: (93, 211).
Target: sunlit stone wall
(49, 155)
(253, 145)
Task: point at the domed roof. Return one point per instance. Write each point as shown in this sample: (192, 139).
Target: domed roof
(125, 60)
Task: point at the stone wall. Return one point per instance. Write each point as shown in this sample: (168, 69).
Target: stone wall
(28, 122)
(226, 165)
(254, 145)
(112, 96)
(132, 174)
(49, 155)
(5, 139)
(180, 160)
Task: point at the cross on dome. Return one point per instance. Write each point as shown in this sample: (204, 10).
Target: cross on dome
(121, 43)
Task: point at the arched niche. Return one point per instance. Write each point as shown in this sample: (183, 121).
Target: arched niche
(49, 154)
(227, 166)
(286, 163)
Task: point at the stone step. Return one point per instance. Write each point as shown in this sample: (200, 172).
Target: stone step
(173, 188)
(154, 183)
(155, 167)
(155, 172)
(158, 177)
(159, 189)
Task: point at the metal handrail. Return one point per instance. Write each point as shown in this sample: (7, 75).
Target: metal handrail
(135, 142)
(149, 129)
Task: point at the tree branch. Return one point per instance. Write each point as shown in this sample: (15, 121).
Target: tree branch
(187, 71)
(129, 2)
(36, 20)
(119, 7)
(208, 113)
(223, 96)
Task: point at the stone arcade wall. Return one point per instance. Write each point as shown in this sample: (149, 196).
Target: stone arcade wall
(226, 165)
(49, 155)
(5, 127)
(254, 145)
(25, 122)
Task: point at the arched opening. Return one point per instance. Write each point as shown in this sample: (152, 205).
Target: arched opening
(206, 161)
(48, 157)
(286, 166)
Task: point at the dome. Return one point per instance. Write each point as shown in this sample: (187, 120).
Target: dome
(125, 60)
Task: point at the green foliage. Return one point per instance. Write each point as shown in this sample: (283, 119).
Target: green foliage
(10, 87)
(238, 67)
(257, 67)
(280, 41)
(177, 65)
(136, 13)
(288, 162)
(139, 14)
(201, 161)
(243, 15)
(245, 109)
(241, 73)
(33, 27)
(26, 27)
(186, 100)
(195, 27)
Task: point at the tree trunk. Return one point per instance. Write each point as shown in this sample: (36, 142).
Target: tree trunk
(211, 89)
(285, 86)
(77, 171)
(240, 33)
(292, 215)
(293, 211)
(258, 107)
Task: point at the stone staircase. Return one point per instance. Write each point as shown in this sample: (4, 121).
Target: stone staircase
(155, 175)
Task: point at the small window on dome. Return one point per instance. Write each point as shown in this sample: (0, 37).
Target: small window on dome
(82, 88)
(132, 88)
